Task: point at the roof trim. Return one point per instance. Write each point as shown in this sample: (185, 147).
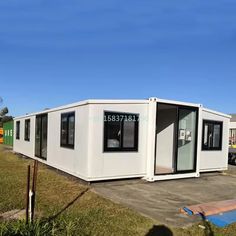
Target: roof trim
(83, 103)
(176, 102)
(120, 101)
(216, 112)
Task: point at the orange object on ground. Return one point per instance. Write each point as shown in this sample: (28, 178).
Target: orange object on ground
(1, 135)
(212, 208)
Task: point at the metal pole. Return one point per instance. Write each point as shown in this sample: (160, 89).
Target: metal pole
(27, 195)
(34, 188)
(35, 175)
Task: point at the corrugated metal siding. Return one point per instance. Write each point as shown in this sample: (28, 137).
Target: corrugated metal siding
(8, 133)
(1, 135)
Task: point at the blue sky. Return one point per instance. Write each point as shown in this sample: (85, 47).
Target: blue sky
(54, 52)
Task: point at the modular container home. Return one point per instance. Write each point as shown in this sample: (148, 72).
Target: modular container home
(8, 133)
(152, 139)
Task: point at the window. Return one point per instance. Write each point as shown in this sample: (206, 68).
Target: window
(18, 130)
(67, 129)
(27, 130)
(232, 137)
(120, 131)
(212, 135)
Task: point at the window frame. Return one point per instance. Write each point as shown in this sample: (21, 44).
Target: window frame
(67, 115)
(232, 131)
(27, 131)
(213, 122)
(105, 133)
(18, 130)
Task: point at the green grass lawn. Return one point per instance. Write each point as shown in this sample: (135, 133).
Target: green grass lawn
(61, 212)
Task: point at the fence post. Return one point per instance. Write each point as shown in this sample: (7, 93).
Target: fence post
(27, 195)
(35, 173)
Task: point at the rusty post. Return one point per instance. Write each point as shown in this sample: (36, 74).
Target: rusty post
(35, 173)
(27, 195)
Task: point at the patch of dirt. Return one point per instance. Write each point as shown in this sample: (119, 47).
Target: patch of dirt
(13, 215)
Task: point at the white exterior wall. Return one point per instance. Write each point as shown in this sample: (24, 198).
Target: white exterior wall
(218, 159)
(20, 145)
(73, 161)
(87, 160)
(107, 165)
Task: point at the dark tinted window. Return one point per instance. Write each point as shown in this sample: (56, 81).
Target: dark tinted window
(120, 131)
(27, 130)
(18, 130)
(68, 129)
(212, 135)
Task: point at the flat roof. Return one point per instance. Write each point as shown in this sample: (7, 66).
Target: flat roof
(216, 112)
(119, 101)
(176, 102)
(86, 102)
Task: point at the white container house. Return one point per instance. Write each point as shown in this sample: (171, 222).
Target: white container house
(153, 139)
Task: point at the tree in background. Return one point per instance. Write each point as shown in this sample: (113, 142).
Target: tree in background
(3, 114)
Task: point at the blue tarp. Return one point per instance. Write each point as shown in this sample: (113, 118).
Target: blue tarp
(223, 219)
(188, 211)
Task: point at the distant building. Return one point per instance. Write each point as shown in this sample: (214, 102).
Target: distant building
(1, 135)
(232, 131)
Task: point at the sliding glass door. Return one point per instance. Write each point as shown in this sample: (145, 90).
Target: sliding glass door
(176, 139)
(41, 127)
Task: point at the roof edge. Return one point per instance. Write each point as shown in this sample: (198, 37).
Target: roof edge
(216, 112)
(85, 102)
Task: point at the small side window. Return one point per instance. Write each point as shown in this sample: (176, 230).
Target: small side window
(232, 137)
(68, 129)
(212, 135)
(18, 130)
(27, 130)
(120, 132)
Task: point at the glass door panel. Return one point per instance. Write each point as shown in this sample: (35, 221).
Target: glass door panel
(186, 150)
(38, 136)
(41, 127)
(166, 124)
(44, 136)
